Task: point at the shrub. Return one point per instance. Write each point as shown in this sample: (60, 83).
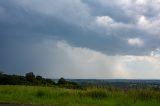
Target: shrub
(40, 93)
(97, 94)
(141, 94)
(44, 93)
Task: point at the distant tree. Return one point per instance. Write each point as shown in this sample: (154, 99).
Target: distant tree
(30, 77)
(62, 81)
(1, 73)
(49, 82)
(39, 78)
(68, 84)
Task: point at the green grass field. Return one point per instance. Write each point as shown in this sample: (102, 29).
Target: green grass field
(56, 96)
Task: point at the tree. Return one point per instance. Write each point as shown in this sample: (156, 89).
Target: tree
(1, 73)
(30, 76)
(49, 82)
(62, 81)
(39, 78)
(28, 79)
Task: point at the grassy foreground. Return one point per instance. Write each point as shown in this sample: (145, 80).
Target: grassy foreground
(56, 96)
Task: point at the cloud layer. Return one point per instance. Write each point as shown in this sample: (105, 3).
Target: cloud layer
(81, 38)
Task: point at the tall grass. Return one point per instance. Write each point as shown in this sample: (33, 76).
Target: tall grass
(78, 97)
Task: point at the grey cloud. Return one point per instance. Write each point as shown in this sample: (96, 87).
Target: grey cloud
(74, 12)
(109, 8)
(25, 24)
(56, 59)
(26, 17)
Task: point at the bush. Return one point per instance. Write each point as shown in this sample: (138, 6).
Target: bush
(62, 81)
(42, 94)
(143, 94)
(30, 77)
(97, 94)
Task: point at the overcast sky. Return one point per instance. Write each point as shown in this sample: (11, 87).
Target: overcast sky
(99, 39)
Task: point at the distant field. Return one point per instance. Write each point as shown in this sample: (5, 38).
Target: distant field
(56, 96)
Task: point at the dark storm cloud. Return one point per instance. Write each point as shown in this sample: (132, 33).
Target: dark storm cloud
(18, 17)
(24, 24)
(109, 9)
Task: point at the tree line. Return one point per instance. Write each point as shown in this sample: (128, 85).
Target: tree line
(33, 80)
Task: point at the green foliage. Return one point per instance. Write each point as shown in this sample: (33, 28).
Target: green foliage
(145, 94)
(68, 93)
(56, 96)
(97, 93)
(67, 84)
(40, 93)
(29, 79)
(49, 82)
(32, 80)
(62, 81)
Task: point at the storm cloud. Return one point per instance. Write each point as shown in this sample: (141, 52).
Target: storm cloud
(80, 38)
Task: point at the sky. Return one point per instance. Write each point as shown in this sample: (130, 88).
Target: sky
(82, 39)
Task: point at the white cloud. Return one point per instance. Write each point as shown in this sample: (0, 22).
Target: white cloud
(145, 14)
(104, 20)
(155, 53)
(141, 2)
(64, 60)
(143, 22)
(135, 41)
(108, 22)
(150, 25)
(87, 63)
(142, 13)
